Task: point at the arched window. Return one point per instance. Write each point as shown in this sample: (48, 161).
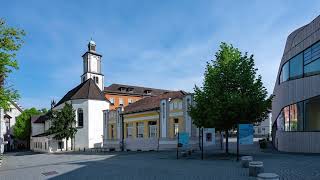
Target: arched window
(80, 118)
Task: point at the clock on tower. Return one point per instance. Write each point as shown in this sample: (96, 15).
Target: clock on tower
(92, 66)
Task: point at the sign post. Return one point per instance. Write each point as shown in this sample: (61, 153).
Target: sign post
(183, 141)
(208, 138)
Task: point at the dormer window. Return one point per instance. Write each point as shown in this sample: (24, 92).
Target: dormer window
(122, 89)
(130, 90)
(147, 92)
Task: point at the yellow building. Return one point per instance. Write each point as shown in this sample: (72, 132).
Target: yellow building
(152, 123)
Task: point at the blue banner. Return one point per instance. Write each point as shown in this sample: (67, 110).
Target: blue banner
(245, 134)
(183, 139)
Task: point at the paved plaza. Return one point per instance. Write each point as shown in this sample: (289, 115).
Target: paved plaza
(155, 165)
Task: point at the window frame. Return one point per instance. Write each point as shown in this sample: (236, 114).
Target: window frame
(80, 112)
(140, 127)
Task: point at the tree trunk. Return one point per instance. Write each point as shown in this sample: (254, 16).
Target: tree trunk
(66, 144)
(71, 144)
(1, 80)
(227, 141)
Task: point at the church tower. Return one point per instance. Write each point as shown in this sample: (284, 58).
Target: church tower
(92, 66)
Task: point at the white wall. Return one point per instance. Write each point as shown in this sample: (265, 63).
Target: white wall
(96, 108)
(81, 137)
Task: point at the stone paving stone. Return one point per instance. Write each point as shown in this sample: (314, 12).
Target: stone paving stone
(156, 165)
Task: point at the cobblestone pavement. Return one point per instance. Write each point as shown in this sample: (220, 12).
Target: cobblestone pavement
(156, 165)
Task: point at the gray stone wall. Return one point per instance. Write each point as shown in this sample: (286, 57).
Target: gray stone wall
(302, 142)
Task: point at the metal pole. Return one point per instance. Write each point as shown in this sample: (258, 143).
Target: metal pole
(122, 133)
(178, 147)
(202, 145)
(238, 142)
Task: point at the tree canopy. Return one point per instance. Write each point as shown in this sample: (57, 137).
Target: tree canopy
(10, 43)
(63, 122)
(22, 127)
(232, 92)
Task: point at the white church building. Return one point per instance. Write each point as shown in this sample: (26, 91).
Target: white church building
(90, 104)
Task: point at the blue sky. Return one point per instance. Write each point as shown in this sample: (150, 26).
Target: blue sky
(160, 44)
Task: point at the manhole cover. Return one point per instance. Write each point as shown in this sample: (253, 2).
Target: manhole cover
(50, 173)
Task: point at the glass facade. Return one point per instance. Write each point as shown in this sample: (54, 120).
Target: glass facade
(301, 116)
(306, 63)
(312, 114)
(296, 64)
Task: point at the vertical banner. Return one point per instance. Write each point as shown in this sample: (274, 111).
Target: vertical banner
(245, 134)
(209, 137)
(183, 140)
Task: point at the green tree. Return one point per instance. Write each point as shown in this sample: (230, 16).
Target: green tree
(232, 93)
(63, 123)
(10, 43)
(22, 127)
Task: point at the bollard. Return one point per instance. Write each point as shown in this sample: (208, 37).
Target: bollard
(267, 176)
(245, 160)
(255, 168)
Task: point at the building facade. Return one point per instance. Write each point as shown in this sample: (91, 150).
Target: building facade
(296, 105)
(151, 123)
(263, 128)
(89, 103)
(7, 122)
(121, 95)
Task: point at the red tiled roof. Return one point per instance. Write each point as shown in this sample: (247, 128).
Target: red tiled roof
(135, 90)
(152, 103)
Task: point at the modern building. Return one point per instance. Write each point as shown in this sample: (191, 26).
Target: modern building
(7, 122)
(90, 105)
(296, 103)
(151, 123)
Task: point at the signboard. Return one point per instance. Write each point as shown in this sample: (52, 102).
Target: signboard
(209, 137)
(183, 139)
(245, 134)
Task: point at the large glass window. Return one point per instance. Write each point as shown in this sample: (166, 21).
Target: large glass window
(296, 67)
(306, 63)
(312, 114)
(286, 112)
(285, 73)
(296, 117)
(312, 68)
(280, 121)
(315, 51)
